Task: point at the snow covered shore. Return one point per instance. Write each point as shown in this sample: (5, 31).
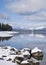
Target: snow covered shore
(10, 55)
(7, 33)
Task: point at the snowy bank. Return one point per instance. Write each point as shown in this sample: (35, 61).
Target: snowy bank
(7, 33)
(10, 55)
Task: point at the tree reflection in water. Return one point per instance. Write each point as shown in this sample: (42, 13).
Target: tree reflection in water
(5, 38)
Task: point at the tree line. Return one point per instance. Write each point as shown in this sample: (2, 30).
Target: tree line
(5, 27)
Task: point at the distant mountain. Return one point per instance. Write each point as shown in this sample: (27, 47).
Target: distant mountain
(40, 30)
(23, 30)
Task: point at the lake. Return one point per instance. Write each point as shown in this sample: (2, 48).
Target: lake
(21, 41)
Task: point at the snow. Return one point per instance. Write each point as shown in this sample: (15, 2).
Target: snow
(25, 49)
(35, 50)
(4, 62)
(39, 27)
(14, 49)
(10, 57)
(7, 33)
(19, 55)
(24, 62)
(5, 55)
(8, 47)
(26, 53)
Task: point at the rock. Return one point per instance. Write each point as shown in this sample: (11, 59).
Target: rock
(12, 53)
(35, 61)
(10, 57)
(25, 62)
(4, 56)
(22, 57)
(25, 49)
(1, 58)
(19, 52)
(30, 61)
(13, 49)
(38, 57)
(26, 54)
(18, 59)
(36, 52)
(6, 47)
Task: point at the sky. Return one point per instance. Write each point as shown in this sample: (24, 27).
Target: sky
(23, 13)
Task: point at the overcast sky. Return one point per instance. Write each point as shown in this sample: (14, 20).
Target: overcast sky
(23, 13)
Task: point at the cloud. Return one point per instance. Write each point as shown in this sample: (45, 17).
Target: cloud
(35, 16)
(28, 9)
(26, 6)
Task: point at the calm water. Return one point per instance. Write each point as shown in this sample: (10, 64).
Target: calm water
(20, 41)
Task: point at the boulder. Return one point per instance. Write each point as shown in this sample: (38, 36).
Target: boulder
(25, 49)
(30, 61)
(13, 49)
(10, 57)
(19, 52)
(6, 47)
(36, 53)
(12, 53)
(26, 54)
(35, 61)
(18, 59)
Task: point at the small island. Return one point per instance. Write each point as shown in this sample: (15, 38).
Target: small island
(5, 27)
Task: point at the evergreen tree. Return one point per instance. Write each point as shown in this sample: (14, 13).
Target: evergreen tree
(5, 27)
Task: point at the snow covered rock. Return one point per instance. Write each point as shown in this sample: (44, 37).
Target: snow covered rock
(26, 54)
(30, 61)
(18, 58)
(12, 53)
(22, 57)
(35, 60)
(37, 52)
(13, 49)
(25, 49)
(25, 62)
(6, 47)
(10, 57)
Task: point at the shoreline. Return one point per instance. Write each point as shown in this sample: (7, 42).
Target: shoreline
(7, 33)
(22, 57)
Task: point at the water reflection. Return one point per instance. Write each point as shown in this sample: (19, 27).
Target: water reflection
(20, 41)
(23, 35)
(4, 38)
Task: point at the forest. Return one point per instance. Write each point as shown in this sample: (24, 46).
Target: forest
(5, 27)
